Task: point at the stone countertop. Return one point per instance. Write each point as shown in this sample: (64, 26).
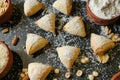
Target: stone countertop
(20, 25)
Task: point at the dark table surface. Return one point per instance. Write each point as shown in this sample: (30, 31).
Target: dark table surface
(20, 25)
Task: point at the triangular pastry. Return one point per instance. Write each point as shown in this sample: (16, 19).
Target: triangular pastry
(32, 6)
(67, 55)
(38, 71)
(100, 44)
(34, 43)
(47, 22)
(76, 27)
(63, 6)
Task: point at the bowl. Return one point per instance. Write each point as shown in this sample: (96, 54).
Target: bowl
(116, 76)
(97, 20)
(5, 16)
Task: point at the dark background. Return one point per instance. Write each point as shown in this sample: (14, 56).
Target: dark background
(20, 25)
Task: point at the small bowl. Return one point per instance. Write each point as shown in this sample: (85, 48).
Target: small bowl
(7, 13)
(116, 76)
(97, 20)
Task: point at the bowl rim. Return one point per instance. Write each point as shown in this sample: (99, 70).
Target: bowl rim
(116, 75)
(87, 6)
(9, 2)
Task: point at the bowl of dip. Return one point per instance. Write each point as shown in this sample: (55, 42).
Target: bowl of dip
(103, 12)
(5, 10)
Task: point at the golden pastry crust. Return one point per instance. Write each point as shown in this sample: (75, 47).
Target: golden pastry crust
(34, 43)
(76, 27)
(9, 62)
(47, 22)
(32, 6)
(100, 44)
(38, 71)
(63, 6)
(67, 55)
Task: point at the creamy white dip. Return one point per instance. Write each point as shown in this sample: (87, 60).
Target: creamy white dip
(105, 9)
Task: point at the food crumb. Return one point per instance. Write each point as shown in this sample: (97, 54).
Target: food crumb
(24, 70)
(79, 73)
(119, 66)
(103, 58)
(95, 73)
(91, 77)
(22, 75)
(56, 71)
(84, 60)
(67, 75)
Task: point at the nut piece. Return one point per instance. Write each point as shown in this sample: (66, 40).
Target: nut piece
(79, 73)
(67, 75)
(56, 71)
(95, 73)
(91, 77)
(15, 40)
(103, 58)
(84, 60)
(6, 30)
